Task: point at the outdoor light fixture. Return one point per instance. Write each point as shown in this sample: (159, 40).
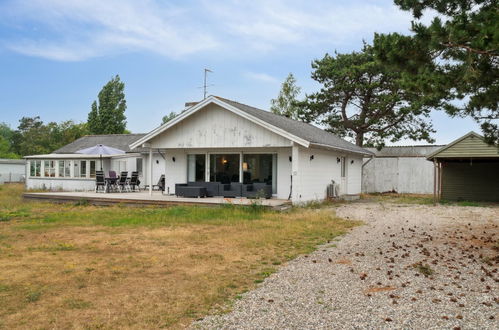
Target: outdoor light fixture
(290, 158)
(245, 166)
(157, 161)
(173, 159)
(224, 161)
(338, 160)
(351, 162)
(312, 157)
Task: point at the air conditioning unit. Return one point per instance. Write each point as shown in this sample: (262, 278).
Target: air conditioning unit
(333, 189)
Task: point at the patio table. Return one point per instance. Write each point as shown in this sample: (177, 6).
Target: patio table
(111, 183)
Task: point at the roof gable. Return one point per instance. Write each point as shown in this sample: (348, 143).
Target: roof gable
(471, 145)
(299, 132)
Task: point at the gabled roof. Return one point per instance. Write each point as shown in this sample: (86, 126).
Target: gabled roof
(119, 141)
(405, 151)
(299, 132)
(471, 145)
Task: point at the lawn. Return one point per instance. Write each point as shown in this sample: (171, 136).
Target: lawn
(399, 198)
(83, 266)
(424, 199)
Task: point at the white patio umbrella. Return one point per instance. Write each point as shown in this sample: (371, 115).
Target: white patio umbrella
(100, 149)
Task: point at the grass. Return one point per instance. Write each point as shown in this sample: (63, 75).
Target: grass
(82, 266)
(399, 198)
(424, 269)
(423, 199)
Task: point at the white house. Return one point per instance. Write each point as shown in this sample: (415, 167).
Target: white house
(12, 170)
(67, 170)
(223, 140)
(401, 169)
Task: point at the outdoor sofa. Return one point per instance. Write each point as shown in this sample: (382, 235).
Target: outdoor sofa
(233, 189)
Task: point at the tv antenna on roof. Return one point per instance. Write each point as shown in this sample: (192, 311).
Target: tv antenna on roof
(205, 86)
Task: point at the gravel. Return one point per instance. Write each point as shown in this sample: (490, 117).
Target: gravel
(409, 267)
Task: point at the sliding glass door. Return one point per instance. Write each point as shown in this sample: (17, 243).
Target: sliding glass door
(224, 168)
(261, 168)
(196, 165)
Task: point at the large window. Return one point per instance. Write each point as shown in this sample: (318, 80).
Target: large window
(343, 167)
(260, 168)
(76, 170)
(138, 165)
(224, 168)
(61, 168)
(92, 168)
(196, 165)
(80, 168)
(35, 168)
(67, 168)
(49, 168)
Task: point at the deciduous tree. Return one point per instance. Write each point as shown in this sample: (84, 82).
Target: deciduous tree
(168, 117)
(107, 115)
(286, 103)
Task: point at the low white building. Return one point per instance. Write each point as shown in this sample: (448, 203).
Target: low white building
(401, 169)
(219, 140)
(12, 170)
(66, 170)
(215, 141)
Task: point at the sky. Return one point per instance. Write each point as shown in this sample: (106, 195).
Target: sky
(55, 55)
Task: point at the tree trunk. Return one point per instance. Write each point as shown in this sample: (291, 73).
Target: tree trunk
(359, 139)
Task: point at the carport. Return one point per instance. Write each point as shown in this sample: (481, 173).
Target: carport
(466, 170)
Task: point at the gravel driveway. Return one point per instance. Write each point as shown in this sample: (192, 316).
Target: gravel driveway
(410, 266)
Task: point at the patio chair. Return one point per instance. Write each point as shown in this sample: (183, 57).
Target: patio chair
(134, 181)
(100, 182)
(111, 181)
(160, 185)
(123, 183)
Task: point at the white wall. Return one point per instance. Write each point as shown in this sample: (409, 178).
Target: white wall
(413, 175)
(60, 184)
(12, 172)
(158, 167)
(215, 127)
(311, 177)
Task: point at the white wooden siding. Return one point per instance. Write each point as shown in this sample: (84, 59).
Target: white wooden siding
(215, 127)
(314, 175)
(408, 175)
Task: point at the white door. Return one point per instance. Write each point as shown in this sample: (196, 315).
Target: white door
(343, 182)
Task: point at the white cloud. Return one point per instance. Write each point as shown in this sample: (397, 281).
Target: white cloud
(262, 77)
(79, 29)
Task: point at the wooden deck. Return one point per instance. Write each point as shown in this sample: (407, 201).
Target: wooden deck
(143, 198)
